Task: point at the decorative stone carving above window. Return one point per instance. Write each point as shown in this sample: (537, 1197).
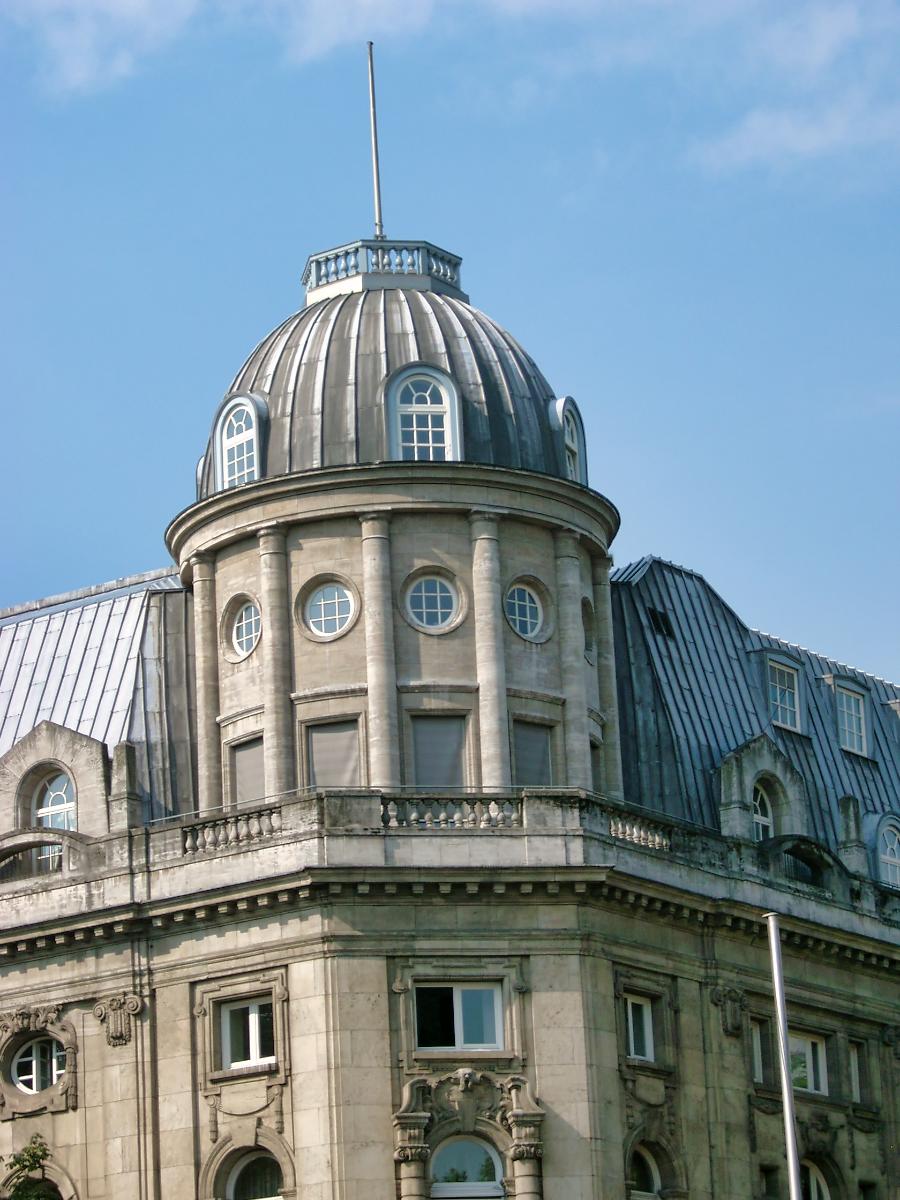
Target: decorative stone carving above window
(731, 1002)
(20, 1026)
(115, 1013)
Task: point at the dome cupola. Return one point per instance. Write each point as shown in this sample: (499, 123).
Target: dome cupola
(388, 361)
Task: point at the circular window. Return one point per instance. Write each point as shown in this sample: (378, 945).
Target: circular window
(39, 1064)
(329, 609)
(246, 628)
(432, 602)
(524, 610)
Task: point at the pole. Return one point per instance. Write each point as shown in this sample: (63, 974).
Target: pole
(787, 1087)
(376, 173)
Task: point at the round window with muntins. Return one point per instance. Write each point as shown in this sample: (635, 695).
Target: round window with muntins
(329, 609)
(524, 611)
(39, 1064)
(431, 602)
(246, 629)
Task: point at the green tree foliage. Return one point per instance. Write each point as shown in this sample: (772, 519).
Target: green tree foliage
(20, 1181)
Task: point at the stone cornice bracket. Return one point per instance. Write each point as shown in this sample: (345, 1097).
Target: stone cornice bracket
(411, 1120)
(732, 1003)
(524, 1119)
(115, 1013)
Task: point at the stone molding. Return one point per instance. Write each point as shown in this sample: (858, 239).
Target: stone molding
(17, 1027)
(114, 1013)
(732, 1003)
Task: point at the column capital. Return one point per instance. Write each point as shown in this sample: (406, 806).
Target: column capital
(484, 523)
(375, 524)
(201, 566)
(565, 543)
(601, 565)
(271, 539)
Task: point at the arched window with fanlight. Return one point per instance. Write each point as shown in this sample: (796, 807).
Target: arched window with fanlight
(643, 1175)
(889, 854)
(424, 416)
(256, 1176)
(238, 442)
(566, 419)
(53, 807)
(763, 820)
(466, 1167)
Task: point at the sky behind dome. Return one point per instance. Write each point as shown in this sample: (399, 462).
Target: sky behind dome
(686, 211)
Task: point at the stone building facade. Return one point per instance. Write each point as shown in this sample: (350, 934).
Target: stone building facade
(390, 845)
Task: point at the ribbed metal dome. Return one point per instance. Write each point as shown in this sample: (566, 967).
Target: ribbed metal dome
(322, 377)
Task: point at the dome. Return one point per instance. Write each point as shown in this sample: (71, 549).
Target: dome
(319, 388)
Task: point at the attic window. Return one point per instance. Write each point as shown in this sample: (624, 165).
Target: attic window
(661, 622)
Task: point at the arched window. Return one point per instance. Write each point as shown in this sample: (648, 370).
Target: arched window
(465, 1166)
(889, 855)
(425, 417)
(643, 1175)
(763, 822)
(256, 1177)
(812, 1182)
(238, 450)
(53, 807)
(566, 419)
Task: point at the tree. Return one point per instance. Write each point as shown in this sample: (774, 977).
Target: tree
(32, 1156)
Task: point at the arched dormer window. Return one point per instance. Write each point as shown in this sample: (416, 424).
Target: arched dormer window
(466, 1166)
(424, 415)
(763, 821)
(567, 420)
(239, 441)
(53, 807)
(889, 854)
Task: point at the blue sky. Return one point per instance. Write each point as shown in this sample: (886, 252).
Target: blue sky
(686, 210)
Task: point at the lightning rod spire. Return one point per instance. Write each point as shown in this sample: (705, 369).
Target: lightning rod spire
(376, 173)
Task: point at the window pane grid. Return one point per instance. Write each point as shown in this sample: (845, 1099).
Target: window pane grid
(329, 609)
(247, 626)
(431, 602)
(762, 815)
(423, 416)
(239, 448)
(890, 855)
(523, 610)
(851, 724)
(39, 1065)
(783, 695)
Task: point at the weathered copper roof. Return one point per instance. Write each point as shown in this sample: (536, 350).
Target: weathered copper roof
(322, 377)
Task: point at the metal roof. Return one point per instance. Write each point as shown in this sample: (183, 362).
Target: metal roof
(689, 698)
(322, 374)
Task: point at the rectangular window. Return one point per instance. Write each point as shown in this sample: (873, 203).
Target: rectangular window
(851, 715)
(247, 1033)
(783, 707)
(438, 745)
(639, 1027)
(531, 754)
(248, 776)
(333, 754)
(808, 1069)
(460, 1016)
(856, 1051)
(598, 771)
(769, 1180)
(759, 1046)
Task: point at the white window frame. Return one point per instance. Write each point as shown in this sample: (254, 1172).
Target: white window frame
(253, 622)
(757, 1032)
(57, 1070)
(643, 1005)
(471, 1188)
(775, 705)
(851, 739)
(225, 479)
(253, 1006)
(889, 854)
(763, 818)
(238, 1168)
(817, 1187)
(813, 1047)
(856, 1061)
(449, 408)
(458, 988)
(653, 1168)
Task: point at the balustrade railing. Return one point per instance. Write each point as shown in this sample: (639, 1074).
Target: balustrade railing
(231, 829)
(627, 827)
(381, 258)
(462, 812)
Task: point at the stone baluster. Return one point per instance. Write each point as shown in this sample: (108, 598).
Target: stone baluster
(275, 646)
(490, 660)
(571, 642)
(381, 667)
(206, 665)
(606, 676)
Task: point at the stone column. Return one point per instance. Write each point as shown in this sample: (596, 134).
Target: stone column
(606, 675)
(381, 667)
(206, 666)
(414, 1183)
(571, 643)
(275, 645)
(490, 660)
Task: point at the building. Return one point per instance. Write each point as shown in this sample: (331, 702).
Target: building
(388, 845)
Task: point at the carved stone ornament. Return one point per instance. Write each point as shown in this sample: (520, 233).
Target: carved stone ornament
(115, 1013)
(17, 1027)
(817, 1134)
(890, 1035)
(732, 1002)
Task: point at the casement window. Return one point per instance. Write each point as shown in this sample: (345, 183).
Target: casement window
(889, 855)
(333, 754)
(459, 1016)
(247, 1032)
(438, 751)
(851, 719)
(809, 1071)
(53, 807)
(784, 707)
(763, 822)
(759, 1050)
(39, 1064)
(425, 417)
(858, 1071)
(247, 771)
(639, 1027)
(238, 453)
(531, 754)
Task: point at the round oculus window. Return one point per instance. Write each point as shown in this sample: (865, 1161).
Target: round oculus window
(431, 602)
(246, 629)
(39, 1064)
(329, 609)
(524, 611)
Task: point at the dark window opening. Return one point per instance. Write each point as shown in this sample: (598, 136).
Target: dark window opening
(660, 622)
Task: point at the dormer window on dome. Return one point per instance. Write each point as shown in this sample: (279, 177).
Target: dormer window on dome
(424, 414)
(238, 445)
(567, 420)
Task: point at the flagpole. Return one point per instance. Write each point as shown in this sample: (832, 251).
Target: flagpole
(787, 1086)
(373, 123)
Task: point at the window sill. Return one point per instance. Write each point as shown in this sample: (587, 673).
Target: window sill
(445, 1056)
(226, 1073)
(649, 1066)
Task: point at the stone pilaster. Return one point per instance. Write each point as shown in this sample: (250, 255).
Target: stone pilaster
(571, 642)
(490, 661)
(606, 675)
(381, 666)
(206, 659)
(275, 646)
